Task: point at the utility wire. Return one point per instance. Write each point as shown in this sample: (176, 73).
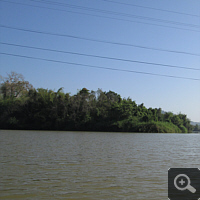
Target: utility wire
(115, 13)
(99, 67)
(102, 57)
(96, 40)
(100, 16)
(151, 8)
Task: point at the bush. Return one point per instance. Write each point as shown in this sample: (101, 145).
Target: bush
(157, 127)
(183, 129)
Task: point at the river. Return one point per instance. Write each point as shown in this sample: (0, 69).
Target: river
(91, 165)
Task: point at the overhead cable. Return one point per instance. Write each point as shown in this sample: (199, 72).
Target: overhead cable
(99, 67)
(151, 8)
(116, 13)
(102, 57)
(96, 40)
(106, 17)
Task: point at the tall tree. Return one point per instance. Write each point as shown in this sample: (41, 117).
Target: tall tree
(14, 85)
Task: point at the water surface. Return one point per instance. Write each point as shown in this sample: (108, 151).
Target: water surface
(91, 165)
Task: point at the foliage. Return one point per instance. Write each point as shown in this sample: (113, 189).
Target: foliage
(158, 127)
(86, 111)
(14, 85)
(196, 128)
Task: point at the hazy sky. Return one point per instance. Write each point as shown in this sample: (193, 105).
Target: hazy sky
(100, 27)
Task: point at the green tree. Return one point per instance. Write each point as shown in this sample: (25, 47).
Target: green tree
(14, 85)
(168, 116)
(23, 107)
(196, 128)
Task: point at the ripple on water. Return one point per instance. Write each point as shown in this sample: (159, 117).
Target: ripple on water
(74, 165)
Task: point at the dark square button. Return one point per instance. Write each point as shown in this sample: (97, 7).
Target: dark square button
(184, 184)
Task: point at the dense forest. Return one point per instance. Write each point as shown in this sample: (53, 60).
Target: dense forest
(24, 107)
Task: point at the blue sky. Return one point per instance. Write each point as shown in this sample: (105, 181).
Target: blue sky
(138, 25)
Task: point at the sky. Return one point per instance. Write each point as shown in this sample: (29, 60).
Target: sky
(124, 42)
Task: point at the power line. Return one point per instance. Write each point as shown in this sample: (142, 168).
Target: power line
(151, 8)
(115, 13)
(102, 57)
(97, 40)
(100, 16)
(99, 67)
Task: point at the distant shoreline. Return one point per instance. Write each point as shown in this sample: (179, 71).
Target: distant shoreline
(93, 131)
(26, 108)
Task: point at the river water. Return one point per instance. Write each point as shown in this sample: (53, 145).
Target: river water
(91, 165)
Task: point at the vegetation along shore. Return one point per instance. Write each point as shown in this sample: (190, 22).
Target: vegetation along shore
(24, 107)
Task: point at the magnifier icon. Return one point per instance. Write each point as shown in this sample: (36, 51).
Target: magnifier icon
(182, 182)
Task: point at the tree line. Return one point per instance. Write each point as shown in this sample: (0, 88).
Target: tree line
(24, 107)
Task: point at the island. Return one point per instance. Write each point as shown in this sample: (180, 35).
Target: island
(26, 108)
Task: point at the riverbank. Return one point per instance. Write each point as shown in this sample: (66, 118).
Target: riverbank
(43, 109)
(150, 127)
